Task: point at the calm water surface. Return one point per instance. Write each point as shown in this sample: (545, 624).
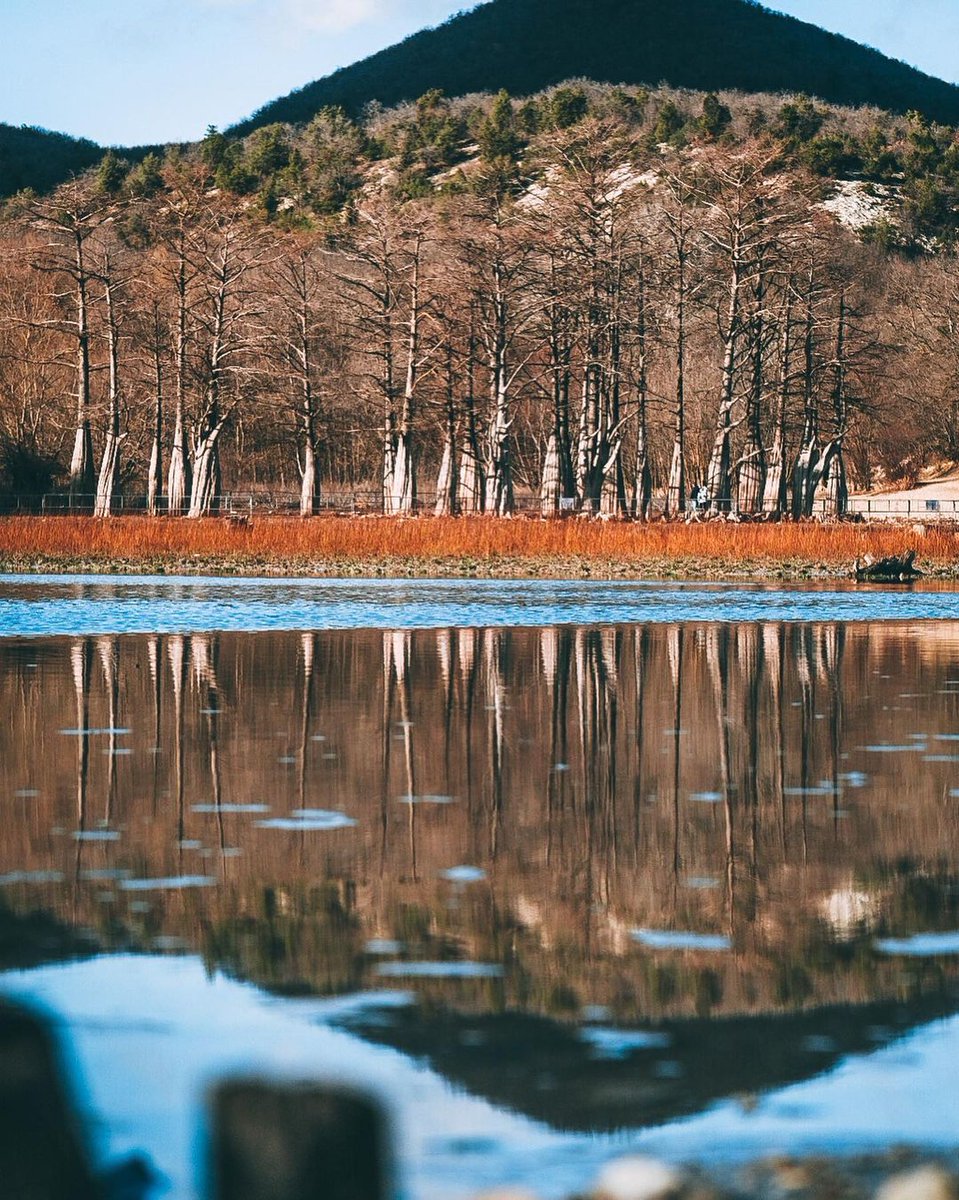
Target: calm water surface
(678, 874)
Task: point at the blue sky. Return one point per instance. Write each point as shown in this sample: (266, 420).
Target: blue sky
(133, 71)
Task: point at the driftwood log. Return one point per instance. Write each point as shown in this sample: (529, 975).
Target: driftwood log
(896, 568)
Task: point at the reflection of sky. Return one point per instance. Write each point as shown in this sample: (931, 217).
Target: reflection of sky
(70, 605)
(148, 1034)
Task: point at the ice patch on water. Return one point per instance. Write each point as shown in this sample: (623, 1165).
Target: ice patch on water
(173, 883)
(425, 799)
(17, 877)
(95, 732)
(439, 970)
(383, 946)
(464, 874)
(664, 939)
(610, 1043)
(309, 820)
(892, 748)
(252, 809)
(920, 945)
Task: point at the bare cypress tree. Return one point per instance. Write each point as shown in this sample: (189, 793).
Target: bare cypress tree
(227, 254)
(496, 255)
(740, 228)
(158, 348)
(805, 477)
(304, 348)
(386, 295)
(643, 484)
(447, 483)
(837, 485)
(68, 221)
(681, 248)
(558, 480)
(776, 490)
(180, 267)
(108, 480)
(751, 481)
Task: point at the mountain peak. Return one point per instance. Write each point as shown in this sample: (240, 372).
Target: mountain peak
(709, 45)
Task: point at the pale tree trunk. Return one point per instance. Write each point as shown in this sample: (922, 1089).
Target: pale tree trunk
(643, 492)
(752, 470)
(447, 483)
(401, 498)
(558, 481)
(472, 485)
(310, 467)
(805, 473)
(589, 470)
(837, 486)
(775, 491)
(109, 477)
(179, 476)
(389, 460)
(205, 494)
(643, 486)
(676, 487)
(446, 480)
(206, 490)
(310, 478)
(499, 480)
(551, 491)
(81, 463)
(718, 477)
(836, 482)
(613, 495)
(499, 474)
(155, 472)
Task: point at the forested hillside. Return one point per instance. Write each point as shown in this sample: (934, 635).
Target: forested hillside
(38, 159)
(593, 298)
(710, 45)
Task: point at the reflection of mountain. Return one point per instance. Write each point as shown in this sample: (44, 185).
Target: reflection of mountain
(581, 1083)
(783, 786)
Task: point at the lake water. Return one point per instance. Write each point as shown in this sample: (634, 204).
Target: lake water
(560, 870)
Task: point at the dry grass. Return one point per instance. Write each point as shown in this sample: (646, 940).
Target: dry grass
(483, 542)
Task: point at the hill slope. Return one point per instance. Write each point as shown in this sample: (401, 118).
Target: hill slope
(38, 159)
(526, 45)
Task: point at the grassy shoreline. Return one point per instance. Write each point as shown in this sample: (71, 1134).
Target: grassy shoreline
(483, 548)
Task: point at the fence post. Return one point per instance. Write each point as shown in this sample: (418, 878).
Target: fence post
(297, 1141)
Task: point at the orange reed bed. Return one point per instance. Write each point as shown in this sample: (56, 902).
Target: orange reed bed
(136, 540)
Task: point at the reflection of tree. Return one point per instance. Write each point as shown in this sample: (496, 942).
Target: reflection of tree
(204, 653)
(495, 655)
(717, 655)
(308, 657)
(647, 720)
(154, 656)
(177, 655)
(108, 651)
(556, 657)
(396, 657)
(81, 665)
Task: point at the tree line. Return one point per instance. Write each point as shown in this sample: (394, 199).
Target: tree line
(585, 315)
